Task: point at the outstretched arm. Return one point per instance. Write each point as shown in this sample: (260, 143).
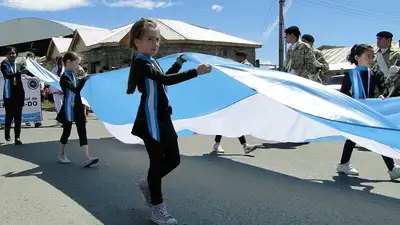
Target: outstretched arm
(64, 83)
(147, 70)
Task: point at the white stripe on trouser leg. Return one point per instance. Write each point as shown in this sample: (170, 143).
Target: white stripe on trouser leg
(152, 104)
(356, 88)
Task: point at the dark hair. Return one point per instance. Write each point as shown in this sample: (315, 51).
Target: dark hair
(137, 32)
(70, 55)
(60, 65)
(293, 30)
(358, 50)
(11, 48)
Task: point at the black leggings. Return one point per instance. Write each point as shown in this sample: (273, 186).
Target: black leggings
(348, 149)
(242, 139)
(13, 111)
(80, 127)
(164, 157)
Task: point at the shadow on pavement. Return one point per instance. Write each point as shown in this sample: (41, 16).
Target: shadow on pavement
(203, 190)
(283, 145)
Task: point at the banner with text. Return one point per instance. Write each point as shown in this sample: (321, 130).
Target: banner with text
(32, 110)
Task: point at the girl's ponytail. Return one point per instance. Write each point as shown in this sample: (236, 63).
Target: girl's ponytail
(131, 80)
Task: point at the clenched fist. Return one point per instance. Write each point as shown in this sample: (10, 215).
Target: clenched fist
(203, 69)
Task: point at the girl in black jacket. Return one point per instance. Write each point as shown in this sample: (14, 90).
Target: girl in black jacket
(13, 94)
(72, 109)
(153, 121)
(360, 83)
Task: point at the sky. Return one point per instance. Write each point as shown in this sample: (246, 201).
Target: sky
(339, 22)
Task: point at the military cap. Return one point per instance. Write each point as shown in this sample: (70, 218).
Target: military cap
(240, 53)
(308, 37)
(385, 34)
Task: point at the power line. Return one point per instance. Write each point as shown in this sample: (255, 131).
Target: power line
(347, 11)
(366, 8)
(268, 16)
(355, 11)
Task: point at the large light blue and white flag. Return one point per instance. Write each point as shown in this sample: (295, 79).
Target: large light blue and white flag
(235, 100)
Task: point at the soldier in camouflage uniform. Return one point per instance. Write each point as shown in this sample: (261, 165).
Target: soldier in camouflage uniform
(387, 62)
(300, 58)
(321, 65)
(241, 57)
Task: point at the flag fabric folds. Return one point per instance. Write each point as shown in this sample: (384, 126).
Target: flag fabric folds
(235, 100)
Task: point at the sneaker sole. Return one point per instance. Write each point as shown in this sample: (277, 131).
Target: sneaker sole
(92, 163)
(163, 223)
(251, 150)
(351, 174)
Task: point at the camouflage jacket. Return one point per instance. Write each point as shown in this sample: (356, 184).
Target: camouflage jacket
(302, 60)
(390, 57)
(320, 58)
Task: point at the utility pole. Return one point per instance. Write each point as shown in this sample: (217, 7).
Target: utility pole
(281, 27)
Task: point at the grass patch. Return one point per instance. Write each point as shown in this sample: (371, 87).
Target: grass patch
(48, 106)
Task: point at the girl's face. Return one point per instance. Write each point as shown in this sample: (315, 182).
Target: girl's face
(11, 55)
(73, 65)
(366, 59)
(149, 43)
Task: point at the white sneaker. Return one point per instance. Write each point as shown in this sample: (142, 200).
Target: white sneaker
(91, 161)
(64, 160)
(394, 173)
(248, 148)
(144, 187)
(217, 148)
(160, 216)
(347, 169)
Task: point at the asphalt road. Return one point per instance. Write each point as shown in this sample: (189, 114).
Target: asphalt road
(281, 184)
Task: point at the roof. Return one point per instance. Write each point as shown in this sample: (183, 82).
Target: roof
(92, 36)
(337, 55)
(62, 44)
(35, 29)
(74, 26)
(116, 35)
(179, 32)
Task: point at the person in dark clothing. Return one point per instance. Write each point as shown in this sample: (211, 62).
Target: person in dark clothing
(153, 123)
(72, 109)
(361, 83)
(14, 94)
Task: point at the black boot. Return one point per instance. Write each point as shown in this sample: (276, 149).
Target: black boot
(7, 134)
(18, 141)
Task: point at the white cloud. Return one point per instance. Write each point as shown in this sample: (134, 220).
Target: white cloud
(272, 26)
(45, 5)
(143, 4)
(217, 8)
